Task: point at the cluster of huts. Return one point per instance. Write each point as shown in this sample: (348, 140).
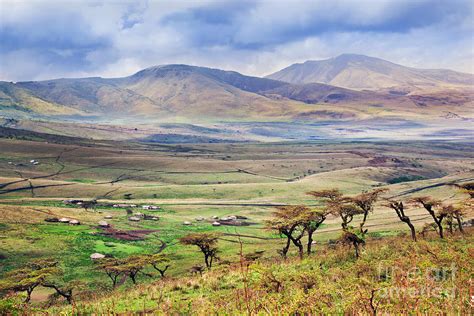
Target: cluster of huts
(33, 162)
(118, 205)
(63, 220)
(233, 220)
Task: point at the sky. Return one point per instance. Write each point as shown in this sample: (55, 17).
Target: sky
(78, 38)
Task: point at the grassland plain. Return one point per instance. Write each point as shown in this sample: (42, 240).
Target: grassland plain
(394, 275)
(205, 180)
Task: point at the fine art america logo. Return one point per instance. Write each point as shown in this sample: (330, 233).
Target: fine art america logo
(438, 282)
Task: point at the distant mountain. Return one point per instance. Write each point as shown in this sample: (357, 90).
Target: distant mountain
(174, 91)
(362, 72)
(190, 93)
(161, 91)
(90, 95)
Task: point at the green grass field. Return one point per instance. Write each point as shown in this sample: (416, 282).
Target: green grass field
(206, 180)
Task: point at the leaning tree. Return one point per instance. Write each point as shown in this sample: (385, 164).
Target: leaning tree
(206, 242)
(65, 289)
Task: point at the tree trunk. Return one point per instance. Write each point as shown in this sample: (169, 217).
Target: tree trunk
(310, 242)
(438, 221)
(114, 279)
(440, 229)
(211, 258)
(66, 294)
(300, 249)
(356, 247)
(28, 295)
(364, 219)
(133, 277)
(206, 260)
(285, 249)
(162, 271)
(412, 229)
(297, 242)
(458, 219)
(450, 225)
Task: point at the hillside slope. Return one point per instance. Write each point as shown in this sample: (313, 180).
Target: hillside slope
(14, 98)
(331, 281)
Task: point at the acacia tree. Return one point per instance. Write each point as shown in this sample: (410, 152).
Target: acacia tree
(338, 205)
(65, 290)
(365, 202)
(429, 205)
(27, 278)
(160, 263)
(330, 196)
(289, 222)
(346, 208)
(399, 208)
(111, 267)
(206, 242)
(311, 221)
(350, 238)
(133, 265)
(453, 213)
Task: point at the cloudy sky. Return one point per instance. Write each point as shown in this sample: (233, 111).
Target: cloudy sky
(71, 38)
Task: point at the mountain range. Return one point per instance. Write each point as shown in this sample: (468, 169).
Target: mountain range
(344, 87)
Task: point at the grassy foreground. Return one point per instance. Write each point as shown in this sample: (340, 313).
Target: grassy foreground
(393, 275)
